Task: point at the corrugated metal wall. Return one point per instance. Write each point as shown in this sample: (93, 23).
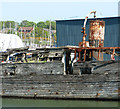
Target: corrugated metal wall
(69, 32)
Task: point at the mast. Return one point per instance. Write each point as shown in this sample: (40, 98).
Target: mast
(10, 27)
(50, 32)
(33, 35)
(3, 26)
(21, 33)
(16, 28)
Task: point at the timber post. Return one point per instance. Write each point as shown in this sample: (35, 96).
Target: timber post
(67, 62)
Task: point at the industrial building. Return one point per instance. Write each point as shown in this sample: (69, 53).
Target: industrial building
(69, 32)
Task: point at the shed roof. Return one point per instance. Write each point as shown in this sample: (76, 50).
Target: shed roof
(88, 18)
(26, 28)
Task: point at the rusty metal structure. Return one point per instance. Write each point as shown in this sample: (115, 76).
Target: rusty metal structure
(84, 43)
(94, 48)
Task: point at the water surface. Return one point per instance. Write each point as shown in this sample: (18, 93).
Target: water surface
(8, 102)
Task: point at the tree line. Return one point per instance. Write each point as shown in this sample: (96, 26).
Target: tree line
(40, 27)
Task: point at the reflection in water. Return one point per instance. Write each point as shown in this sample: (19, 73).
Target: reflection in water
(8, 102)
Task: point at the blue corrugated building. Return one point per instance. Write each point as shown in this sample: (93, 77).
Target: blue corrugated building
(69, 32)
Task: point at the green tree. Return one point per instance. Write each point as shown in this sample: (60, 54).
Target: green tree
(46, 34)
(7, 24)
(47, 24)
(26, 23)
(41, 24)
(38, 32)
(53, 25)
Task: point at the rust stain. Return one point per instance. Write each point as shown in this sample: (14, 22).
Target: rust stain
(98, 94)
(96, 35)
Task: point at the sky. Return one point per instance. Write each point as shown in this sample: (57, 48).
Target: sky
(39, 10)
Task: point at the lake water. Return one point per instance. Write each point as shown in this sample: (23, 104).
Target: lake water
(8, 102)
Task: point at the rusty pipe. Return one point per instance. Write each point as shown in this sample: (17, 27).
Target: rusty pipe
(84, 34)
(88, 16)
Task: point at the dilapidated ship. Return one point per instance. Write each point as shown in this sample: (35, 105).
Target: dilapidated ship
(71, 72)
